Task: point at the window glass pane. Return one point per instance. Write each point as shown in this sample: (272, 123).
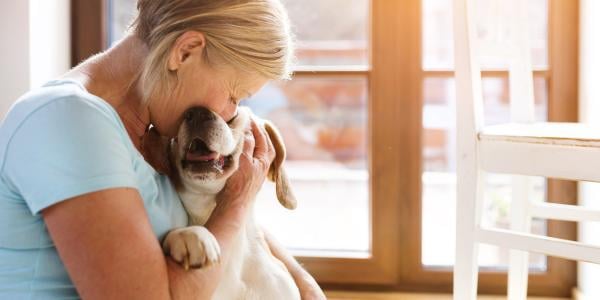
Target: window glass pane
(120, 15)
(497, 108)
(323, 38)
(438, 52)
(330, 32)
(323, 122)
(439, 179)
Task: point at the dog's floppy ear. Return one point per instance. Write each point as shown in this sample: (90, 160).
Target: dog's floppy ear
(277, 172)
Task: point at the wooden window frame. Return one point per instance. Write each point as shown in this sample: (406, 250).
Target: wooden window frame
(88, 29)
(395, 80)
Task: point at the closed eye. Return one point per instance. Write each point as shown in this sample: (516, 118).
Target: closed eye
(232, 119)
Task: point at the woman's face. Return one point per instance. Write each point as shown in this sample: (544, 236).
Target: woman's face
(219, 89)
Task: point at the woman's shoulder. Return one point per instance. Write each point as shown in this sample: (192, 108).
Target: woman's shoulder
(59, 111)
(60, 132)
(60, 97)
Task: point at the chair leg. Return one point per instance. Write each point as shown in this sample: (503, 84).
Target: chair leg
(517, 275)
(468, 203)
(520, 220)
(466, 270)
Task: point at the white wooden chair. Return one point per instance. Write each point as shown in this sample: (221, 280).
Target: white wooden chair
(523, 147)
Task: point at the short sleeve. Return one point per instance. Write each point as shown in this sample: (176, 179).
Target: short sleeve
(66, 148)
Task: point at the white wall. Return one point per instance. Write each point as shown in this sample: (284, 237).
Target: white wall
(35, 45)
(14, 52)
(50, 39)
(589, 112)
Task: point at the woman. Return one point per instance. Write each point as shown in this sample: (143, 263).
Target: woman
(81, 212)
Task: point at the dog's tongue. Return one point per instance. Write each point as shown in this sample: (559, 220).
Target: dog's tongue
(202, 157)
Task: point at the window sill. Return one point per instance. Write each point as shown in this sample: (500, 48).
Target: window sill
(340, 295)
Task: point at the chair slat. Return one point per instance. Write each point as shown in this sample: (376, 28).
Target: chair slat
(539, 244)
(563, 212)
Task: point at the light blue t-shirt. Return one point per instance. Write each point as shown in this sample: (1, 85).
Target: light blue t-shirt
(57, 142)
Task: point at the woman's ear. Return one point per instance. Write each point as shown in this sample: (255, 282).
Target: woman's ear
(188, 44)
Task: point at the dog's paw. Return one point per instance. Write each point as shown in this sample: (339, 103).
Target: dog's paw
(192, 246)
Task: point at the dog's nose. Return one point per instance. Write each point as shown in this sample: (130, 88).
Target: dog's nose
(199, 114)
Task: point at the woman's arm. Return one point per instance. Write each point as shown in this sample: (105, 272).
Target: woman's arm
(107, 245)
(308, 286)
(110, 252)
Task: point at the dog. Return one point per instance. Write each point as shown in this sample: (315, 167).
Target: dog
(204, 155)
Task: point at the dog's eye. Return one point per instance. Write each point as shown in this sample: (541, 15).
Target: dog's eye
(188, 115)
(232, 119)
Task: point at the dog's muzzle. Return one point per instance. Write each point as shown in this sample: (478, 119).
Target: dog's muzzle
(199, 158)
(208, 144)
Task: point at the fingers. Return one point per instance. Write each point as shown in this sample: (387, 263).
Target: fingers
(271, 152)
(264, 149)
(260, 136)
(249, 144)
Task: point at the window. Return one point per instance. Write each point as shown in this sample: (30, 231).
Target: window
(369, 122)
(323, 119)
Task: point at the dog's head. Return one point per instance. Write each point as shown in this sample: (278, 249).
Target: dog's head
(207, 149)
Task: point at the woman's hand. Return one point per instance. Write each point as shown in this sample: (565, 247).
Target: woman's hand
(254, 162)
(241, 188)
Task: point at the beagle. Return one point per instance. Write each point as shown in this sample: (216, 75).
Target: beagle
(204, 155)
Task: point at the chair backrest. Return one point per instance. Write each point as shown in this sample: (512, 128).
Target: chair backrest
(517, 50)
(520, 82)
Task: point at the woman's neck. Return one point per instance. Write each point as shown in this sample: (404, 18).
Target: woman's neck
(113, 76)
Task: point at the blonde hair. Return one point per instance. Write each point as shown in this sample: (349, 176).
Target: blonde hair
(253, 36)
